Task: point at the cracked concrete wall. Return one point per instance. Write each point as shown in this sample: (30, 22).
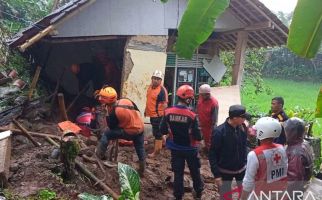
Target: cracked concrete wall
(143, 55)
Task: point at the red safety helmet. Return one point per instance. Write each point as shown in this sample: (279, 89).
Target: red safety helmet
(84, 121)
(185, 92)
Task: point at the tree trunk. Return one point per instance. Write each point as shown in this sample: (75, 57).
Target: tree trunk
(69, 148)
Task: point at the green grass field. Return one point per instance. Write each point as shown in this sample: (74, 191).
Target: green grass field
(302, 94)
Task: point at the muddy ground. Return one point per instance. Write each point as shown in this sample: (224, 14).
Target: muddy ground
(34, 168)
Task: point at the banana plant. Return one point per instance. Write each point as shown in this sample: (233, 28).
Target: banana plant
(305, 33)
(197, 23)
(130, 185)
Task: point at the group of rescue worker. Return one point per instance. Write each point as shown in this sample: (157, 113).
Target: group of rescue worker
(268, 167)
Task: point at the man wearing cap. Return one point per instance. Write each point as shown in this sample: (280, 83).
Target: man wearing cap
(156, 102)
(227, 154)
(207, 109)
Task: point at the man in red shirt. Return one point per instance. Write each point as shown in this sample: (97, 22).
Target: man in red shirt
(207, 110)
(156, 102)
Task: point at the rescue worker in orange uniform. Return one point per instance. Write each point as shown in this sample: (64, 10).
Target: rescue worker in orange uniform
(156, 102)
(207, 109)
(183, 141)
(266, 170)
(124, 122)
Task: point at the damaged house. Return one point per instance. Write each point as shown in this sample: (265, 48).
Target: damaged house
(121, 43)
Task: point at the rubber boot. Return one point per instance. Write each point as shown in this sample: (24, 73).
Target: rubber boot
(157, 148)
(141, 168)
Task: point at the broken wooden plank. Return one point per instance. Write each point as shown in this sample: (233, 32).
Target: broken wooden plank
(34, 82)
(25, 132)
(62, 107)
(5, 154)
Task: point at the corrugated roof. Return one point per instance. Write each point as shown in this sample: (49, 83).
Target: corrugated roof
(249, 12)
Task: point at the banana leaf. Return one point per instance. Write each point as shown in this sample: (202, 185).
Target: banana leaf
(318, 112)
(197, 23)
(306, 28)
(129, 181)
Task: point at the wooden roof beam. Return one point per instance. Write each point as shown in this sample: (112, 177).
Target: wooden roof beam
(275, 36)
(240, 15)
(267, 17)
(253, 38)
(273, 41)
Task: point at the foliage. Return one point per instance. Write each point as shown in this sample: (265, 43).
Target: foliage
(46, 194)
(305, 33)
(282, 63)
(306, 114)
(15, 15)
(130, 182)
(18, 14)
(197, 24)
(254, 62)
(130, 185)
(301, 94)
(318, 110)
(286, 18)
(317, 166)
(87, 196)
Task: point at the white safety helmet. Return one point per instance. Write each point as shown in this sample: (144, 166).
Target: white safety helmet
(204, 89)
(267, 127)
(158, 74)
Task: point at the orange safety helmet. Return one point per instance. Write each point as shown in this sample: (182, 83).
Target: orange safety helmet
(109, 94)
(185, 92)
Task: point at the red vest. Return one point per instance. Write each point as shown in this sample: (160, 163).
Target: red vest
(204, 109)
(272, 171)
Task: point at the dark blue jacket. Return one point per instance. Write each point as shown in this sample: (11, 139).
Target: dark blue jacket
(228, 148)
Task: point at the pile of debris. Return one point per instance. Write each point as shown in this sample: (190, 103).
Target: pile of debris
(30, 142)
(10, 84)
(34, 165)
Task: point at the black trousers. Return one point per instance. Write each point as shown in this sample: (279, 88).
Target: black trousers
(178, 160)
(155, 122)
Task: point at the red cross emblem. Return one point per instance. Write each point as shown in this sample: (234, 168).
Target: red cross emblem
(277, 158)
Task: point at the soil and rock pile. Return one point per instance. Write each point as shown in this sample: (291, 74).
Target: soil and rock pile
(35, 168)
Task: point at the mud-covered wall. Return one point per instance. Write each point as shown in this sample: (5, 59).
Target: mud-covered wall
(143, 55)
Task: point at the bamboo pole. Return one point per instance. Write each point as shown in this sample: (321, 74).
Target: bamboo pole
(35, 134)
(25, 132)
(89, 174)
(34, 82)
(37, 37)
(62, 107)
